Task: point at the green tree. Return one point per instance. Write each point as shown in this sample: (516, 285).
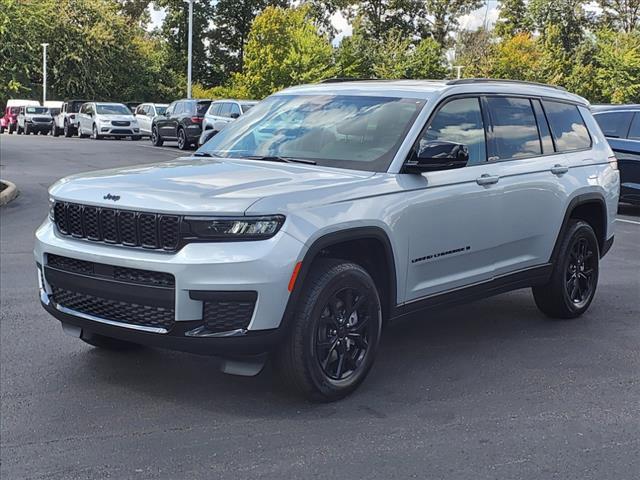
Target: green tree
(442, 17)
(354, 57)
(284, 49)
(512, 18)
(377, 17)
(569, 16)
(618, 66)
(427, 61)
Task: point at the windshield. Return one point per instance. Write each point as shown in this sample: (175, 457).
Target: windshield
(346, 131)
(112, 109)
(74, 107)
(202, 107)
(160, 110)
(37, 110)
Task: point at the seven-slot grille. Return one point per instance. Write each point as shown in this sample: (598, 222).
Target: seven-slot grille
(125, 227)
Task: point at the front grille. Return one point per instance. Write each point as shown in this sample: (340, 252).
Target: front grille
(119, 123)
(223, 316)
(42, 119)
(121, 131)
(125, 227)
(115, 310)
(124, 274)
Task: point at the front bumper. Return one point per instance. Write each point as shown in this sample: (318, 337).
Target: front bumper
(115, 131)
(263, 267)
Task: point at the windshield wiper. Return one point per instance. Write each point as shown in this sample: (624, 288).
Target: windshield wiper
(277, 158)
(204, 154)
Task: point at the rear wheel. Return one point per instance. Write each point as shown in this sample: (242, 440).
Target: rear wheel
(334, 334)
(182, 139)
(108, 343)
(573, 282)
(156, 139)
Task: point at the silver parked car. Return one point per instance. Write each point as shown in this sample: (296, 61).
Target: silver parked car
(220, 113)
(103, 119)
(145, 113)
(34, 119)
(329, 211)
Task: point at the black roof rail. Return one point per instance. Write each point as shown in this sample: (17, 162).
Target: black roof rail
(466, 81)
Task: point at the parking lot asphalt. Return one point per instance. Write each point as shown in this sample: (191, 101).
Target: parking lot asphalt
(489, 390)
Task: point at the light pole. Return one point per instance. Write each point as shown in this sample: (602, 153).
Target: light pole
(190, 48)
(459, 69)
(44, 72)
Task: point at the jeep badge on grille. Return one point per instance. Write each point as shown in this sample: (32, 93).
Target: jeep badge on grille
(108, 196)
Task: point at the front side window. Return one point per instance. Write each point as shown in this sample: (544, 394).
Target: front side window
(459, 121)
(346, 131)
(614, 124)
(112, 109)
(234, 109)
(567, 126)
(160, 110)
(515, 132)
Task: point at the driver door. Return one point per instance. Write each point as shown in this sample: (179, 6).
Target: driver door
(452, 220)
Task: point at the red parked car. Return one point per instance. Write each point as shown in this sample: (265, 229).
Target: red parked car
(9, 120)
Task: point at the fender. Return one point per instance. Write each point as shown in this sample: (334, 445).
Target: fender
(333, 238)
(576, 202)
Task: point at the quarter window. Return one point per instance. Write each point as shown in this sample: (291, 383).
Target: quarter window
(459, 121)
(515, 132)
(614, 124)
(567, 126)
(634, 130)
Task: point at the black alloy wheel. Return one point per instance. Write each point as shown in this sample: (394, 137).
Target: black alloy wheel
(580, 272)
(343, 333)
(182, 139)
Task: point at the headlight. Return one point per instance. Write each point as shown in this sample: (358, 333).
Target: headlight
(52, 204)
(233, 228)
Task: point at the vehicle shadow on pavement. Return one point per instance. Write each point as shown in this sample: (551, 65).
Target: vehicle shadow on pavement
(430, 358)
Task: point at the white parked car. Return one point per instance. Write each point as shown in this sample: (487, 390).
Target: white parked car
(101, 119)
(220, 114)
(146, 112)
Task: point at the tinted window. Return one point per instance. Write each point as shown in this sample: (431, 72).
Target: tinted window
(74, 107)
(614, 124)
(567, 126)
(225, 109)
(234, 109)
(202, 107)
(179, 108)
(515, 132)
(543, 127)
(460, 121)
(160, 110)
(634, 131)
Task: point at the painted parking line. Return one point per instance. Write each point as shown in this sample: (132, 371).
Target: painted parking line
(627, 221)
(166, 149)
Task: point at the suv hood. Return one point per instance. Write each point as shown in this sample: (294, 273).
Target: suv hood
(200, 185)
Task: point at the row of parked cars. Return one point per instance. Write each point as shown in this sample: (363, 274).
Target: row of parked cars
(187, 121)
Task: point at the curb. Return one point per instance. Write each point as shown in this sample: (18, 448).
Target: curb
(9, 193)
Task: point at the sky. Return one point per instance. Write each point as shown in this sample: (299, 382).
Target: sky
(488, 14)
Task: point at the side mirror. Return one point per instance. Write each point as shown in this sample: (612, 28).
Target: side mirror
(438, 155)
(234, 115)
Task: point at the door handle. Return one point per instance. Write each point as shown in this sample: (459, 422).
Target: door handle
(486, 179)
(559, 169)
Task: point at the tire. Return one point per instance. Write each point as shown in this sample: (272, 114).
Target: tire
(107, 343)
(26, 129)
(18, 130)
(55, 131)
(156, 139)
(183, 144)
(94, 133)
(1, 130)
(323, 340)
(80, 134)
(67, 130)
(574, 279)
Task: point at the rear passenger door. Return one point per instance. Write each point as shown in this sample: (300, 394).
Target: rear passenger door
(535, 175)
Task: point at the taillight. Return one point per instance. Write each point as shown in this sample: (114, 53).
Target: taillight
(613, 161)
(196, 119)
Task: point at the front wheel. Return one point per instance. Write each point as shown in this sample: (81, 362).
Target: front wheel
(156, 139)
(334, 335)
(107, 343)
(55, 131)
(67, 130)
(94, 133)
(574, 279)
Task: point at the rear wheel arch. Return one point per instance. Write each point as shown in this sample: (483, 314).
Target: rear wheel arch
(368, 247)
(590, 207)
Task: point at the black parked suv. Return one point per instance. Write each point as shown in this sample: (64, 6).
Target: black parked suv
(621, 125)
(182, 121)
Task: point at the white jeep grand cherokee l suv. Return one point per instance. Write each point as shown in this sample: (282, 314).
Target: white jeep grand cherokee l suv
(329, 211)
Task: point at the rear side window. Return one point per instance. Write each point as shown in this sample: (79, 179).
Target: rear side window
(225, 109)
(567, 126)
(214, 109)
(634, 130)
(202, 107)
(459, 121)
(515, 131)
(614, 124)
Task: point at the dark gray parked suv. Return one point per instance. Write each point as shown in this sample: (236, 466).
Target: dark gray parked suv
(182, 121)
